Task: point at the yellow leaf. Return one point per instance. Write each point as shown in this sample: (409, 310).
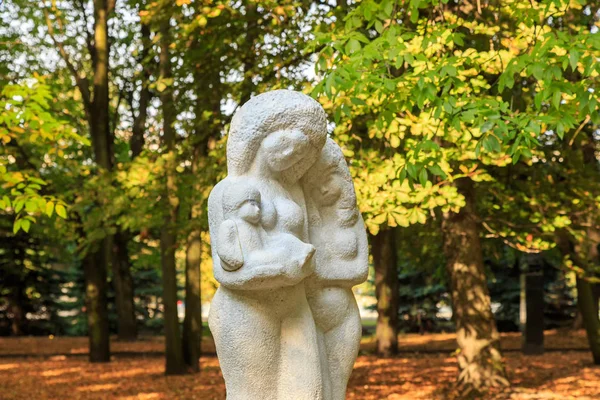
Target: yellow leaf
(61, 211)
(201, 21)
(49, 208)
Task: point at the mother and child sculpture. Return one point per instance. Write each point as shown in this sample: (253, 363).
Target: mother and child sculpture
(288, 244)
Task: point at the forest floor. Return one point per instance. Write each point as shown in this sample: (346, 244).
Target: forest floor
(39, 368)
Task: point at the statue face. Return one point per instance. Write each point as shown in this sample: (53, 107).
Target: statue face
(329, 189)
(285, 148)
(250, 212)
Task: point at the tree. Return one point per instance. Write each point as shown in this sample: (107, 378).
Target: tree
(479, 359)
(430, 98)
(96, 105)
(175, 363)
(228, 40)
(383, 246)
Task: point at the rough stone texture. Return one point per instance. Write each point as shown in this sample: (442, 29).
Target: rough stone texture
(288, 244)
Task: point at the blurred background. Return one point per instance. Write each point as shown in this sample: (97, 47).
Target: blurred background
(471, 129)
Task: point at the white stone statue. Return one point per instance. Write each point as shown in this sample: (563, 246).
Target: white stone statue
(288, 244)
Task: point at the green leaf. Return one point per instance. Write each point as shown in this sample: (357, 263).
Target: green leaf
(487, 126)
(17, 225)
(423, 177)
(412, 170)
(36, 180)
(18, 205)
(60, 210)
(402, 174)
(556, 98)
(352, 46)
(31, 206)
(25, 224)
(573, 59)
(49, 208)
(367, 12)
(560, 130)
(437, 170)
(388, 7)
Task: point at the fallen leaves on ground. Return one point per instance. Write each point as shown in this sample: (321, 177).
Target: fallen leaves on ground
(43, 368)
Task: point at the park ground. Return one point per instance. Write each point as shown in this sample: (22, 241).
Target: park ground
(38, 368)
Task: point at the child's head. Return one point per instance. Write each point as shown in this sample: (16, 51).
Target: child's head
(329, 183)
(243, 201)
(328, 179)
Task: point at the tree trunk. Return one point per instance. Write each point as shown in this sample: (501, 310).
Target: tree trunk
(95, 303)
(207, 128)
(96, 262)
(533, 334)
(121, 267)
(480, 361)
(587, 300)
(18, 315)
(138, 129)
(383, 247)
(168, 235)
(123, 284)
(596, 299)
(173, 350)
(248, 54)
(589, 313)
(192, 324)
(99, 113)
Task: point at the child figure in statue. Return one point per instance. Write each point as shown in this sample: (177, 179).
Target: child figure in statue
(243, 241)
(337, 230)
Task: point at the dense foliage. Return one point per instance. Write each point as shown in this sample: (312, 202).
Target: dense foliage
(475, 119)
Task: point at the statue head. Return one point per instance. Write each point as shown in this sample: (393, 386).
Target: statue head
(243, 201)
(290, 127)
(329, 183)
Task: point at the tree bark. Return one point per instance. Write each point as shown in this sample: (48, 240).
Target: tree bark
(168, 235)
(96, 261)
(121, 266)
(18, 315)
(123, 285)
(383, 247)
(584, 254)
(589, 313)
(138, 129)
(480, 360)
(533, 334)
(249, 54)
(192, 323)
(96, 304)
(99, 115)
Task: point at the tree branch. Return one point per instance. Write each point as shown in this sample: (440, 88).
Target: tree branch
(90, 40)
(122, 94)
(82, 83)
(110, 6)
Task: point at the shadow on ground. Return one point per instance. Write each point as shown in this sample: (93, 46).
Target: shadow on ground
(58, 369)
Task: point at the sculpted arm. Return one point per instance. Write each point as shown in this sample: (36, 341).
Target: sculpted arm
(256, 271)
(355, 271)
